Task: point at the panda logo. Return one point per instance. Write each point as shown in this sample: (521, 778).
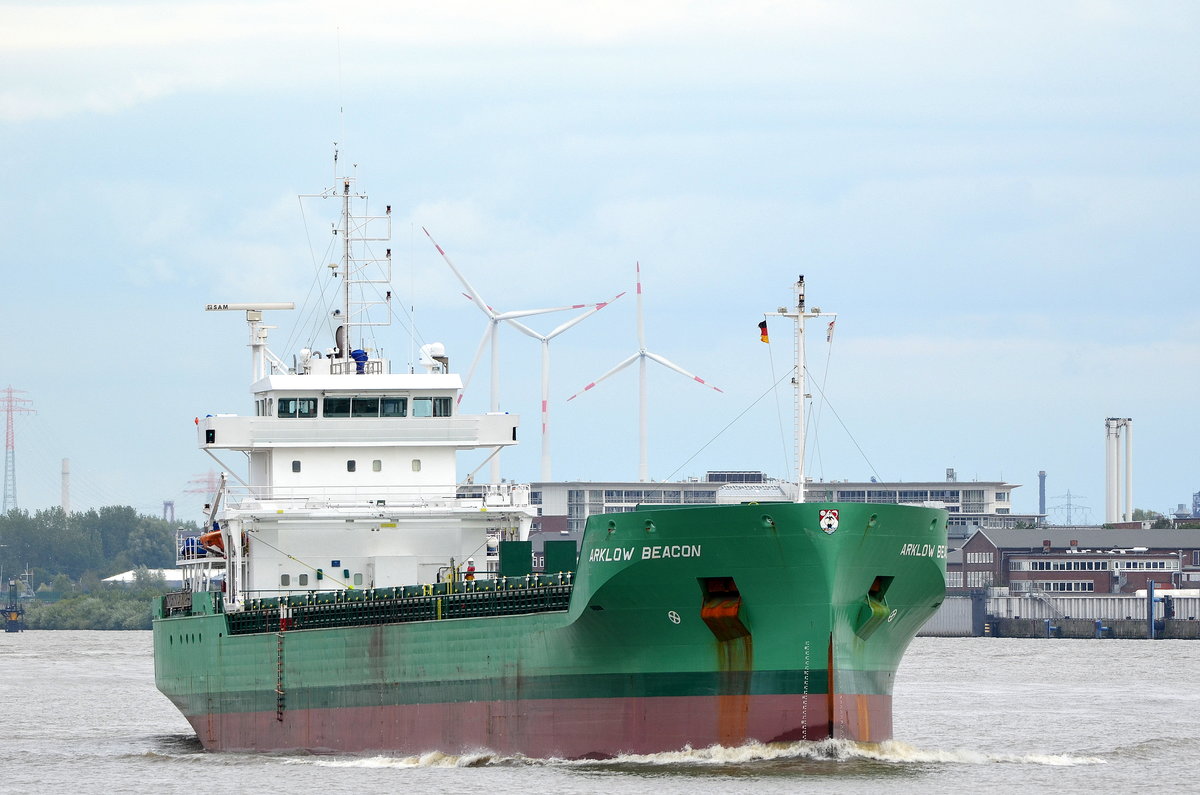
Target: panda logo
(829, 520)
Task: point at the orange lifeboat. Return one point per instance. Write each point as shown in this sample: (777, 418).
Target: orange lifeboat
(212, 540)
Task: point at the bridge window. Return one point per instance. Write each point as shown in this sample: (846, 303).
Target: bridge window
(298, 407)
(337, 407)
(377, 465)
(295, 466)
(364, 407)
(432, 406)
(393, 407)
(351, 465)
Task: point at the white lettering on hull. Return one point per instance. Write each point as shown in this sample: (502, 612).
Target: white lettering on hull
(923, 550)
(671, 551)
(660, 552)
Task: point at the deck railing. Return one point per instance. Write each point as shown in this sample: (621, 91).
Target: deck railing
(536, 593)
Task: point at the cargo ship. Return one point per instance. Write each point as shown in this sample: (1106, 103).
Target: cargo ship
(334, 603)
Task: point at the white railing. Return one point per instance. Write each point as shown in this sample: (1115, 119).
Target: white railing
(503, 495)
(370, 367)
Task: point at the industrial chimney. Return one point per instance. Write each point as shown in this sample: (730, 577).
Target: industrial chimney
(1114, 429)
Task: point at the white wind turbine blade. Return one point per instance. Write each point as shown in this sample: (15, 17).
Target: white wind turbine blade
(613, 371)
(667, 363)
(474, 296)
(581, 317)
(528, 312)
(487, 333)
(592, 309)
(521, 327)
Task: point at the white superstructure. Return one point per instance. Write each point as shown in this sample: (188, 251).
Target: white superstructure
(352, 477)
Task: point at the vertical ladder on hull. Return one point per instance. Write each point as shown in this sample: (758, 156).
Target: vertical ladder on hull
(279, 677)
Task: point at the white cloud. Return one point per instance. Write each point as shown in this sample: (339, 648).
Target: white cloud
(68, 59)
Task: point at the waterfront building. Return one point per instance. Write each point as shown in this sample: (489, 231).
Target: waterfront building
(563, 507)
(1077, 560)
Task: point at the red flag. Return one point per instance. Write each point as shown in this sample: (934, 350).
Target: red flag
(829, 331)
(762, 331)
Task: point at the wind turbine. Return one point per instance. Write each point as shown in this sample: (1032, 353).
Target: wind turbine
(494, 320)
(640, 357)
(545, 339)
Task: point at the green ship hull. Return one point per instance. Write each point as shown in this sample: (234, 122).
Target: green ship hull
(682, 626)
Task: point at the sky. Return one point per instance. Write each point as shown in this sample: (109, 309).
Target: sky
(998, 200)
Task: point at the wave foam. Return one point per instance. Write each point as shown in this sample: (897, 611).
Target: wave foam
(891, 751)
(432, 759)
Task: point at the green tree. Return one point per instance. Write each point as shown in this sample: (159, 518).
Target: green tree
(151, 544)
(61, 586)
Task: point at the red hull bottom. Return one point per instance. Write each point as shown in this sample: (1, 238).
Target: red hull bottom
(562, 728)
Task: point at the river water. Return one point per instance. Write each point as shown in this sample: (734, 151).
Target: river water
(79, 713)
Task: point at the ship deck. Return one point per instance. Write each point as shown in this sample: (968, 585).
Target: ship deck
(351, 608)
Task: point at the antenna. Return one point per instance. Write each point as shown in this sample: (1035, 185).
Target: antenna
(341, 106)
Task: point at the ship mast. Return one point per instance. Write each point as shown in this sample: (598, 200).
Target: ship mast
(799, 314)
(344, 344)
(370, 273)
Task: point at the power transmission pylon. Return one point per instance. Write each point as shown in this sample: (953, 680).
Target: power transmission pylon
(11, 405)
(1071, 505)
(206, 484)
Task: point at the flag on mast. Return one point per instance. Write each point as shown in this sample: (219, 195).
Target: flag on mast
(829, 331)
(762, 331)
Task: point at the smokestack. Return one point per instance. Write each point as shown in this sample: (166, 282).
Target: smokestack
(1113, 429)
(1042, 492)
(1128, 470)
(66, 485)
